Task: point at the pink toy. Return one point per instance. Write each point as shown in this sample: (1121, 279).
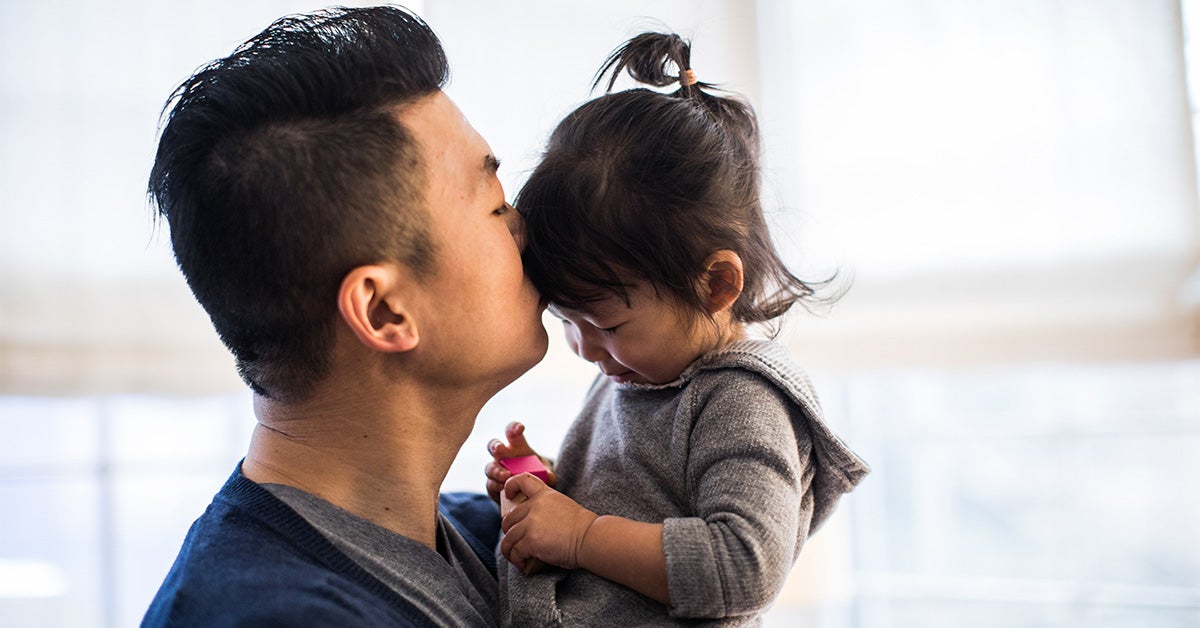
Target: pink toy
(526, 464)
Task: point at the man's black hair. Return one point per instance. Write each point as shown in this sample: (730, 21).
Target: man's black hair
(283, 166)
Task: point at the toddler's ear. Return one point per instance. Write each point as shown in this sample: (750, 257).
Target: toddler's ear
(721, 282)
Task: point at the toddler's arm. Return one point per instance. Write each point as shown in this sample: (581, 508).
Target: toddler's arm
(551, 527)
(750, 471)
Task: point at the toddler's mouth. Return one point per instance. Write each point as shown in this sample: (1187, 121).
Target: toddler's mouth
(620, 378)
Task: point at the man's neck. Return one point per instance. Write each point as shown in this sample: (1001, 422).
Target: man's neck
(383, 463)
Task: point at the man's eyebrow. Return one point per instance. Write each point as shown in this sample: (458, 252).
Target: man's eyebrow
(490, 164)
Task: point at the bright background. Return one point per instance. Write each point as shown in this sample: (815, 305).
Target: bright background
(1010, 184)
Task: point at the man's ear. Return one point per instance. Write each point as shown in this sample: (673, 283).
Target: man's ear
(372, 302)
(721, 282)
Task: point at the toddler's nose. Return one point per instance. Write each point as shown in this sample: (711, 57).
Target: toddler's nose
(590, 351)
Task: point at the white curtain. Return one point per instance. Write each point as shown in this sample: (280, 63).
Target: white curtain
(1006, 180)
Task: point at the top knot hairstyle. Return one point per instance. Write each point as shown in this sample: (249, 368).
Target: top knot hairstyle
(639, 185)
(282, 166)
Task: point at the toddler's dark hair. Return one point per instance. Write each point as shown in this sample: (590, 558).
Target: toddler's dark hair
(642, 185)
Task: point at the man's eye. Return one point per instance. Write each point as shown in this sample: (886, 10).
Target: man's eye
(500, 211)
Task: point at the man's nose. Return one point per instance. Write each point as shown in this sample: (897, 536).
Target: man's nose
(516, 226)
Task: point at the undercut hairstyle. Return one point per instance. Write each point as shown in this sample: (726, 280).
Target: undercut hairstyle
(282, 167)
(640, 185)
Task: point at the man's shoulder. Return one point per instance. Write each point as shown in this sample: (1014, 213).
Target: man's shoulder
(241, 564)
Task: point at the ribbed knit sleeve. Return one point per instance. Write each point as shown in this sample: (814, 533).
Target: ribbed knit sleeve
(748, 477)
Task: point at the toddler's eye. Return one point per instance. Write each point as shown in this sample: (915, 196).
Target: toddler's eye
(608, 330)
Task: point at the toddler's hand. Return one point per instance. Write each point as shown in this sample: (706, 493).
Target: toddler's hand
(547, 525)
(496, 474)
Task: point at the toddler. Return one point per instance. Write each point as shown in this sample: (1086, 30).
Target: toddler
(700, 462)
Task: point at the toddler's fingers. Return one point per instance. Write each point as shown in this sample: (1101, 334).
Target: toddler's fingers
(496, 472)
(517, 559)
(513, 512)
(524, 483)
(509, 542)
(516, 437)
(496, 475)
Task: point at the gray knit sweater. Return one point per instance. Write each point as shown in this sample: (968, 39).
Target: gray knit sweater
(735, 461)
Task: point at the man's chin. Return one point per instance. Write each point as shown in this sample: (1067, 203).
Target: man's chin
(538, 346)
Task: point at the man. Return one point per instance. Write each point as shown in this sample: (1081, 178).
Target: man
(343, 226)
